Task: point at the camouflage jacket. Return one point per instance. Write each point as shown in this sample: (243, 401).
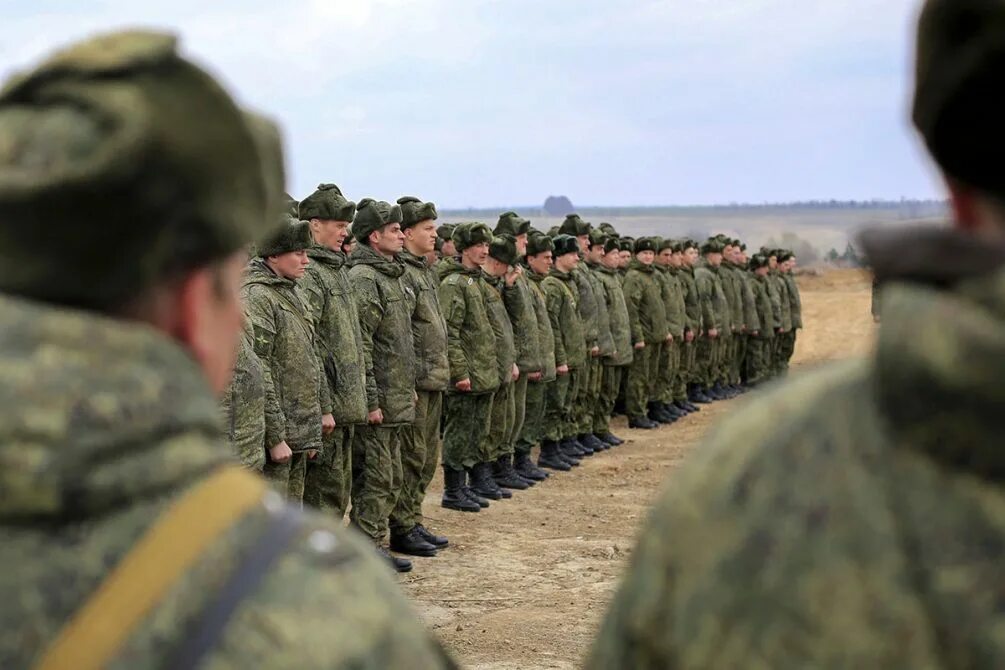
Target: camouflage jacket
(711, 298)
(874, 486)
(673, 300)
(732, 286)
(784, 301)
(385, 303)
(244, 405)
(286, 343)
(692, 308)
(617, 310)
(563, 310)
(647, 316)
(605, 339)
(751, 317)
(795, 302)
(102, 424)
(546, 336)
(760, 287)
(326, 291)
(526, 330)
(471, 341)
(776, 302)
(429, 329)
(587, 304)
(505, 349)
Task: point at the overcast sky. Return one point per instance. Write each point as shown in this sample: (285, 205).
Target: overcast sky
(503, 102)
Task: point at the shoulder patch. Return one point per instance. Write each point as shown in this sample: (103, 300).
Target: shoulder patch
(470, 281)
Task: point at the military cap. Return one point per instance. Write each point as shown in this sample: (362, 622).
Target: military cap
(289, 235)
(645, 244)
(372, 215)
(414, 211)
(566, 244)
(959, 99)
(784, 255)
(446, 231)
(327, 203)
(290, 205)
(628, 244)
(438, 244)
(469, 234)
(608, 229)
(503, 249)
(757, 261)
(597, 237)
(612, 244)
(538, 244)
(511, 223)
(554, 232)
(712, 246)
(574, 225)
(678, 246)
(663, 243)
(116, 130)
(688, 244)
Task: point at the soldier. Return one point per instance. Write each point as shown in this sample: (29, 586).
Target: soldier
(243, 405)
(627, 252)
(715, 320)
(877, 479)
(685, 254)
(732, 287)
(474, 375)
(285, 341)
(758, 362)
(661, 406)
(779, 362)
(787, 262)
(447, 248)
(589, 436)
(325, 287)
(561, 421)
(647, 317)
(420, 453)
(751, 317)
(616, 363)
(520, 307)
(116, 485)
(384, 303)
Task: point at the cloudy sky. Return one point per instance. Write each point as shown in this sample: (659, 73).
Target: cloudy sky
(503, 102)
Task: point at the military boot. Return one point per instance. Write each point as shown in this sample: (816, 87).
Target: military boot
(550, 458)
(491, 482)
(590, 441)
(480, 483)
(697, 395)
(570, 451)
(611, 439)
(397, 564)
(673, 411)
(657, 414)
(642, 422)
(587, 448)
(684, 406)
(412, 544)
(453, 492)
(526, 468)
(506, 477)
(438, 541)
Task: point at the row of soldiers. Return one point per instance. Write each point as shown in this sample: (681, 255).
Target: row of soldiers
(371, 334)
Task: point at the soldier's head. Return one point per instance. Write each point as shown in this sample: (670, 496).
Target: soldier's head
(645, 250)
(690, 255)
(959, 104)
(576, 227)
(627, 249)
(540, 250)
(759, 265)
(514, 225)
(595, 252)
(612, 253)
(664, 251)
(378, 225)
(712, 251)
(285, 249)
(566, 253)
(786, 261)
(502, 255)
(740, 252)
(330, 213)
(677, 255)
(418, 222)
(447, 248)
(472, 242)
(772, 259)
(131, 185)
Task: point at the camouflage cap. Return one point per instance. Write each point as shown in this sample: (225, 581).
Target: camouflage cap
(446, 231)
(597, 237)
(959, 98)
(784, 255)
(645, 244)
(328, 204)
(290, 205)
(628, 244)
(608, 229)
(566, 244)
(414, 211)
(713, 246)
(289, 235)
(663, 243)
(511, 223)
(575, 226)
(757, 261)
(503, 249)
(113, 131)
(371, 216)
(554, 232)
(469, 234)
(612, 244)
(538, 244)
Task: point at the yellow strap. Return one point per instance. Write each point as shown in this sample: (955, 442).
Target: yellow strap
(141, 580)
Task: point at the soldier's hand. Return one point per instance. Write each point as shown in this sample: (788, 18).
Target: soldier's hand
(639, 346)
(511, 277)
(463, 385)
(535, 376)
(669, 338)
(562, 370)
(713, 333)
(327, 424)
(375, 417)
(281, 453)
(516, 372)
(594, 352)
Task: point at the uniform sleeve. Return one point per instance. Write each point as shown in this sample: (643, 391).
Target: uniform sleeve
(259, 313)
(312, 296)
(750, 316)
(705, 299)
(633, 300)
(691, 306)
(553, 300)
(454, 307)
(370, 312)
(795, 301)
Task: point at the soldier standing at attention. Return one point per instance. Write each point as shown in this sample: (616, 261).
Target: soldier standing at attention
(474, 373)
(751, 318)
(128, 537)
(420, 453)
(589, 436)
(758, 362)
(787, 262)
(384, 303)
(617, 363)
(682, 260)
(647, 318)
(779, 362)
(325, 287)
(875, 481)
(661, 404)
(714, 316)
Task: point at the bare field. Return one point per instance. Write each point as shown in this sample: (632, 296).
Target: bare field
(525, 583)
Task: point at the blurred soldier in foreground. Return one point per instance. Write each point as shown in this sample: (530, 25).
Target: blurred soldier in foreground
(856, 517)
(127, 539)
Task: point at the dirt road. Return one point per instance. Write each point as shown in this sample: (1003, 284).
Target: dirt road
(526, 582)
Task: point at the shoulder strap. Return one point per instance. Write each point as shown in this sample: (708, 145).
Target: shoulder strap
(169, 548)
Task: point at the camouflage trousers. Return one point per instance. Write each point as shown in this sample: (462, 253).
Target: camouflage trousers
(589, 389)
(739, 372)
(520, 387)
(708, 355)
(669, 366)
(376, 477)
(499, 441)
(288, 477)
(686, 371)
(639, 386)
(784, 347)
(328, 481)
(533, 423)
(727, 344)
(420, 457)
(466, 424)
(610, 384)
(558, 421)
(758, 361)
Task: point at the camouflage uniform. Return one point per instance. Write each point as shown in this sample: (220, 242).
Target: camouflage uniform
(533, 427)
(244, 405)
(605, 341)
(672, 293)
(499, 441)
(751, 322)
(589, 316)
(384, 303)
(420, 455)
(519, 300)
(779, 363)
(647, 318)
(788, 345)
(285, 341)
(732, 286)
(615, 363)
(692, 324)
(714, 315)
(325, 288)
(758, 363)
(563, 309)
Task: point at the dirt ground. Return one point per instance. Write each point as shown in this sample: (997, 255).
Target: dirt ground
(526, 582)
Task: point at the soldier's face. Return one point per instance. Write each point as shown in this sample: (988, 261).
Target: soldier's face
(494, 267)
(584, 242)
(596, 253)
(291, 265)
(213, 318)
(676, 259)
(329, 233)
(773, 262)
(626, 258)
(521, 244)
(422, 237)
(762, 271)
(664, 257)
(790, 264)
(567, 262)
(541, 263)
(690, 256)
(612, 259)
(714, 259)
(646, 257)
(389, 240)
(448, 250)
(477, 253)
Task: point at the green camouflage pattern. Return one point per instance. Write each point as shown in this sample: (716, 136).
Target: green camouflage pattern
(546, 336)
(795, 302)
(471, 340)
(732, 286)
(376, 477)
(751, 317)
(785, 300)
(534, 414)
(610, 385)
(505, 344)
(243, 405)
(103, 425)
(429, 329)
(499, 440)
(672, 290)
(617, 311)
(328, 478)
(605, 338)
(465, 429)
(562, 299)
(420, 458)
(526, 330)
(586, 304)
(644, 299)
(384, 304)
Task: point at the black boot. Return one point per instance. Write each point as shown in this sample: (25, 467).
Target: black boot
(550, 459)
(583, 449)
(397, 564)
(438, 541)
(611, 439)
(657, 414)
(453, 492)
(491, 482)
(480, 483)
(642, 422)
(412, 544)
(506, 477)
(570, 451)
(673, 411)
(683, 406)
(592, 442)
(526, 468)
